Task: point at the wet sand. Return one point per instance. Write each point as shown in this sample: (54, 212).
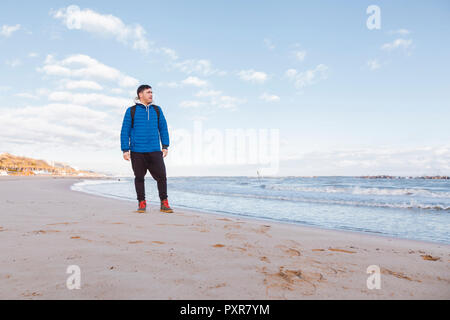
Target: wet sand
(46, 227)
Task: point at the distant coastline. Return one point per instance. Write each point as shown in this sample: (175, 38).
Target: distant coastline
(12, 165)
(404, 177)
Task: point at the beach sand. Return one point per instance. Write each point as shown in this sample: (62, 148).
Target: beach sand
(46, 227)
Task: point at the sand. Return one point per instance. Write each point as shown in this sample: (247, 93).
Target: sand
(45, 227)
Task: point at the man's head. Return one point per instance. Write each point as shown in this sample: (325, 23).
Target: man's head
(145, 94)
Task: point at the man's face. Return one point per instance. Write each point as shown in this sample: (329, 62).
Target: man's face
(146, 96)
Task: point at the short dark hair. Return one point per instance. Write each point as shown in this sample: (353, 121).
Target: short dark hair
(142, 88)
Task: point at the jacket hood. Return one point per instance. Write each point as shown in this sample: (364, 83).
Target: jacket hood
(138, 102)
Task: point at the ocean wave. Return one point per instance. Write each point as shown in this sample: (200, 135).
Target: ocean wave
(80, 184)
(405, 205)
(363, 191)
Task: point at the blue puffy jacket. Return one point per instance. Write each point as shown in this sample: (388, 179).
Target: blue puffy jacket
(146, 132)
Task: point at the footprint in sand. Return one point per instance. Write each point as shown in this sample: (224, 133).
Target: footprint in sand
(397, 274)
(292, 279)
(290, 251)
(430, 258)
(262, 229)
(238, 236)
(158, 242)
(232, 248)
(293, 252)
(232, 226)
(44, 231)
(219, 285)
(78, 237)
(73, 257)
(441, 279)
(59, 223)
(135, 242)
(341, 250)
(199, 227)
(31, 294)
(218, 245)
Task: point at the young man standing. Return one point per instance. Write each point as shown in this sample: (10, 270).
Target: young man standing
(143, 127)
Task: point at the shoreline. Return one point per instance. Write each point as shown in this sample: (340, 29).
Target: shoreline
(269, 220)
(194, 255)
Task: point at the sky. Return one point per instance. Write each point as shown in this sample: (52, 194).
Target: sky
(307, 87)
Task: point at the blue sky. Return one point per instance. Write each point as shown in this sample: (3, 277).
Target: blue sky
(345, 100)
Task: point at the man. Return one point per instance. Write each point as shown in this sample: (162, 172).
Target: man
(140, 137)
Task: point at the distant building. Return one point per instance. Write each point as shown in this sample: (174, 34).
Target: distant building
(41, 172)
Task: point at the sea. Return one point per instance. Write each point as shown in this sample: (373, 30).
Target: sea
(417, 209)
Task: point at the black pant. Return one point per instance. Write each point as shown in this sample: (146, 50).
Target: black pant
(154, 162)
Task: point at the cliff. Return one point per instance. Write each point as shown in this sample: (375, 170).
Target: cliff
(16, 165)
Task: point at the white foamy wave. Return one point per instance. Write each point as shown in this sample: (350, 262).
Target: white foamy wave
(405, 205)
(364, 191)
(79, 185)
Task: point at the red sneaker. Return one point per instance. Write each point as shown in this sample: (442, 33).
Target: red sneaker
(142, 206)
(165, 206)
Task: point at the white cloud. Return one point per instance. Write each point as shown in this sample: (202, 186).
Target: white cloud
(269, 44)
(7, 31)
(208, 93)
(269, 97)
(253, 76)
(127, 81)
(170, 84)
(26, 95)
(402, 32)
(308, 77)
(82, 84)
(226, 102)
(373, 64)
(42, 91)
(215, 99)
(300, 55)
(170, 53)
(13, 63)
(202, 67)
(56, 125)
(117, 90)
(290, 73)
(103, 24)
(194, 81)
(32, 55)
(93, 99)
(398, 43)
(373, 161)
(87, 68)
(192, 104)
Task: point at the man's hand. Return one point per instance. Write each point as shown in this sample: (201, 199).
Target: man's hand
(126, 155)
(165, 152)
